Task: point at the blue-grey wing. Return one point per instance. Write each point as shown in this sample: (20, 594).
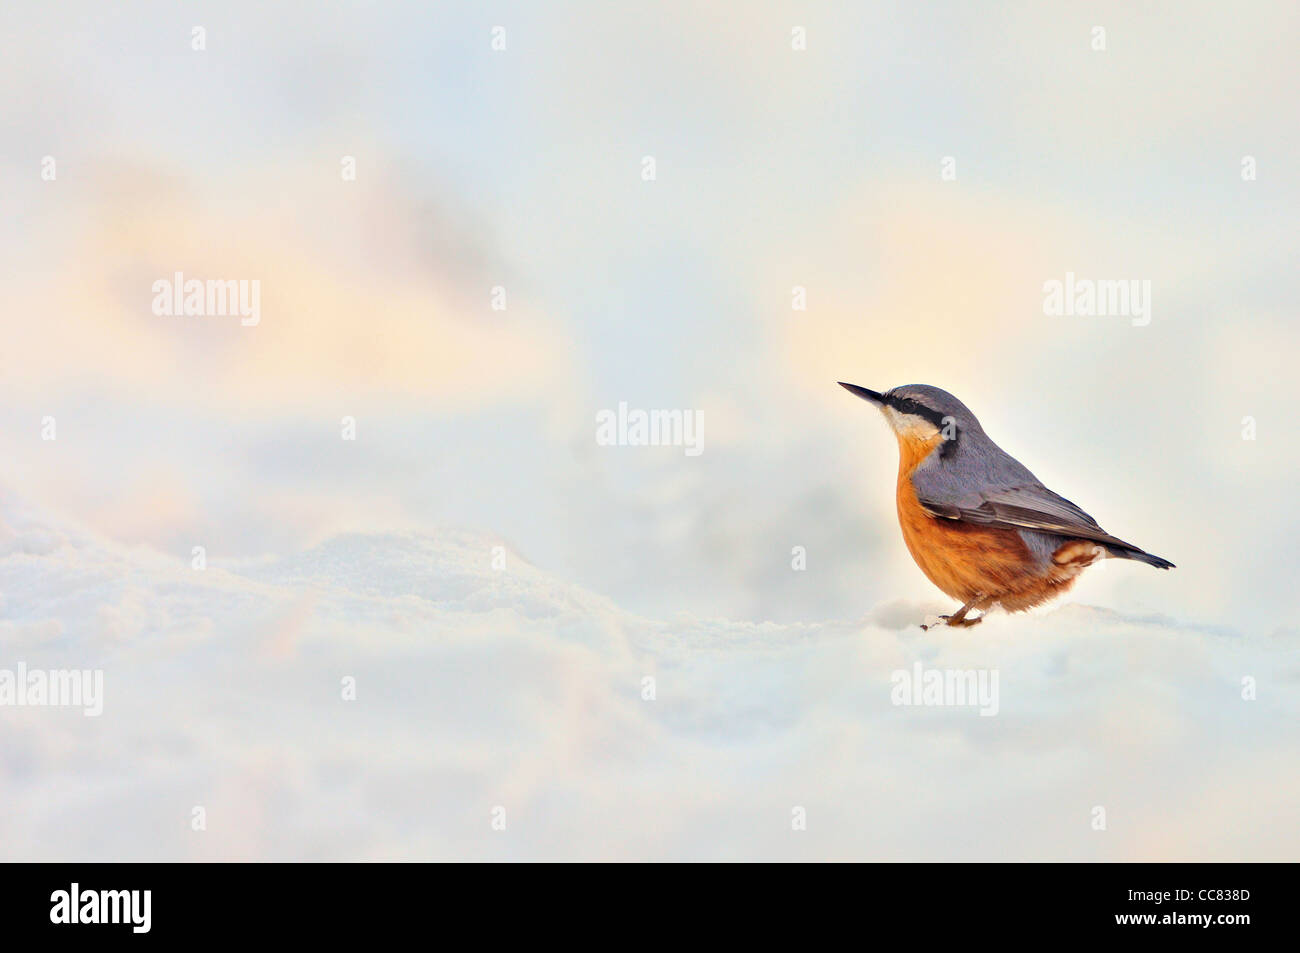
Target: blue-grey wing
(979, 483)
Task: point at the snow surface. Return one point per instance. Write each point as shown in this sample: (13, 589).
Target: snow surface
(480, 688)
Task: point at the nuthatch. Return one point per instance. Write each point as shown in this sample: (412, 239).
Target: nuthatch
(978, 523)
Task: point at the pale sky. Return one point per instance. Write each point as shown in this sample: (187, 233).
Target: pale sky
(521, 168)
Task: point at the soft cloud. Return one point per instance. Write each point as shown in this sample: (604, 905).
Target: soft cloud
(355, 306)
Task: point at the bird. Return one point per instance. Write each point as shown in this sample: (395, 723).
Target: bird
(981, 527)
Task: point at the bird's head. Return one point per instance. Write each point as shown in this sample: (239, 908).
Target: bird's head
(920, 412)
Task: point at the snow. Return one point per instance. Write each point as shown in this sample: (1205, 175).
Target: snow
(481, 688)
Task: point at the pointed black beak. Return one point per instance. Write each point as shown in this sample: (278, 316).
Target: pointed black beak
(874, 396)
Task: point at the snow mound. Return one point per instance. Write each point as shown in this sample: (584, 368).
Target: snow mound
(487, 690)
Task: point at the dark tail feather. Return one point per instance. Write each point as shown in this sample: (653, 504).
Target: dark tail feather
(1132, 552)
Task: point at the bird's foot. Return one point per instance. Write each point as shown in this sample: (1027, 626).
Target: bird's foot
(952, 621)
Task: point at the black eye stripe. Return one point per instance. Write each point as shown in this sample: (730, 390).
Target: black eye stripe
(905, 405)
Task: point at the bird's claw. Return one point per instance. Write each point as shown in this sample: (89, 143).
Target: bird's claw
(947, 620)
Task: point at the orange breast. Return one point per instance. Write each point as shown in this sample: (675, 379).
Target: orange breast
(965, 560)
